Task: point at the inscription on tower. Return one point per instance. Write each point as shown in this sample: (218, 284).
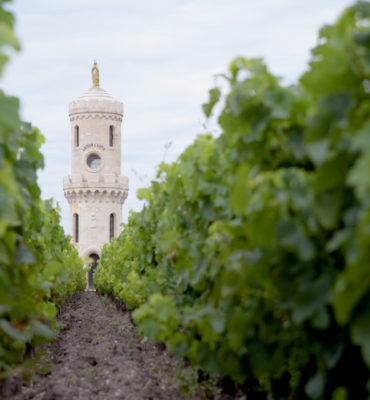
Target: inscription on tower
(96, 145)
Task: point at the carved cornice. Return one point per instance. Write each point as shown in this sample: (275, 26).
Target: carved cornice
(95, 196)
(106, 116)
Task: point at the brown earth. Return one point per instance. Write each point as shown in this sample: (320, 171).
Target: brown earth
(99, 355)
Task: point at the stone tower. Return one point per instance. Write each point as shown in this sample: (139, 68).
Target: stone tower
(95, 190)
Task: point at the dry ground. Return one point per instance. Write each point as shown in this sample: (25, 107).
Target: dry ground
(99, 355)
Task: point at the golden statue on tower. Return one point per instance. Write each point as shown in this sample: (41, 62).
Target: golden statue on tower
(95, 75)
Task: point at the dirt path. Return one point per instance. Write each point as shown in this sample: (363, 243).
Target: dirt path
(99, 355)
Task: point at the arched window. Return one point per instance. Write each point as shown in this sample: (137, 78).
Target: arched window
(111, 131)
(75, 227)
(77, 136)
(111, 226)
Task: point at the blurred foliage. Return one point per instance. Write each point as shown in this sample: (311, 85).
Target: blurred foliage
(251, 255)
(38, 264)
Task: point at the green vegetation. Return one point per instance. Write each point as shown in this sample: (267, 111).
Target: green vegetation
(38, 264)
(251, 255)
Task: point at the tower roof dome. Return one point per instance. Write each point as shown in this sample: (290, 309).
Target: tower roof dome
(96, 93)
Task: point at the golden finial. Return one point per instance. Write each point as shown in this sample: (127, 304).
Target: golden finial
(95, 75)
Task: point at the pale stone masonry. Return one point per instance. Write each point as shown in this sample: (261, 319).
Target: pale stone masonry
(95, 189)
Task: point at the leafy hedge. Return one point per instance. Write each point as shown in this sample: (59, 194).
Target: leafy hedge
(251, 255)
(38, 264)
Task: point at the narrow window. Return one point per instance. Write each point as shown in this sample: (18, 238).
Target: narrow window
(111, 129)
(75, 223)
(111, 226)
(77, 136)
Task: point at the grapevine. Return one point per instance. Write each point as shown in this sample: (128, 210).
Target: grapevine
(39, 267)
(250, 256)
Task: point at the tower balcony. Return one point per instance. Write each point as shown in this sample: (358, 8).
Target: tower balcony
(95, 181)
(108, 189)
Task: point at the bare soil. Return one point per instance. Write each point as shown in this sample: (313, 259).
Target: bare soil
(99, 355)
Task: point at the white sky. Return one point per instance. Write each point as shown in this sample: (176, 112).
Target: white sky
(157, 57)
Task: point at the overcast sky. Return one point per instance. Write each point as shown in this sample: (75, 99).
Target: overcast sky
(158, 57)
